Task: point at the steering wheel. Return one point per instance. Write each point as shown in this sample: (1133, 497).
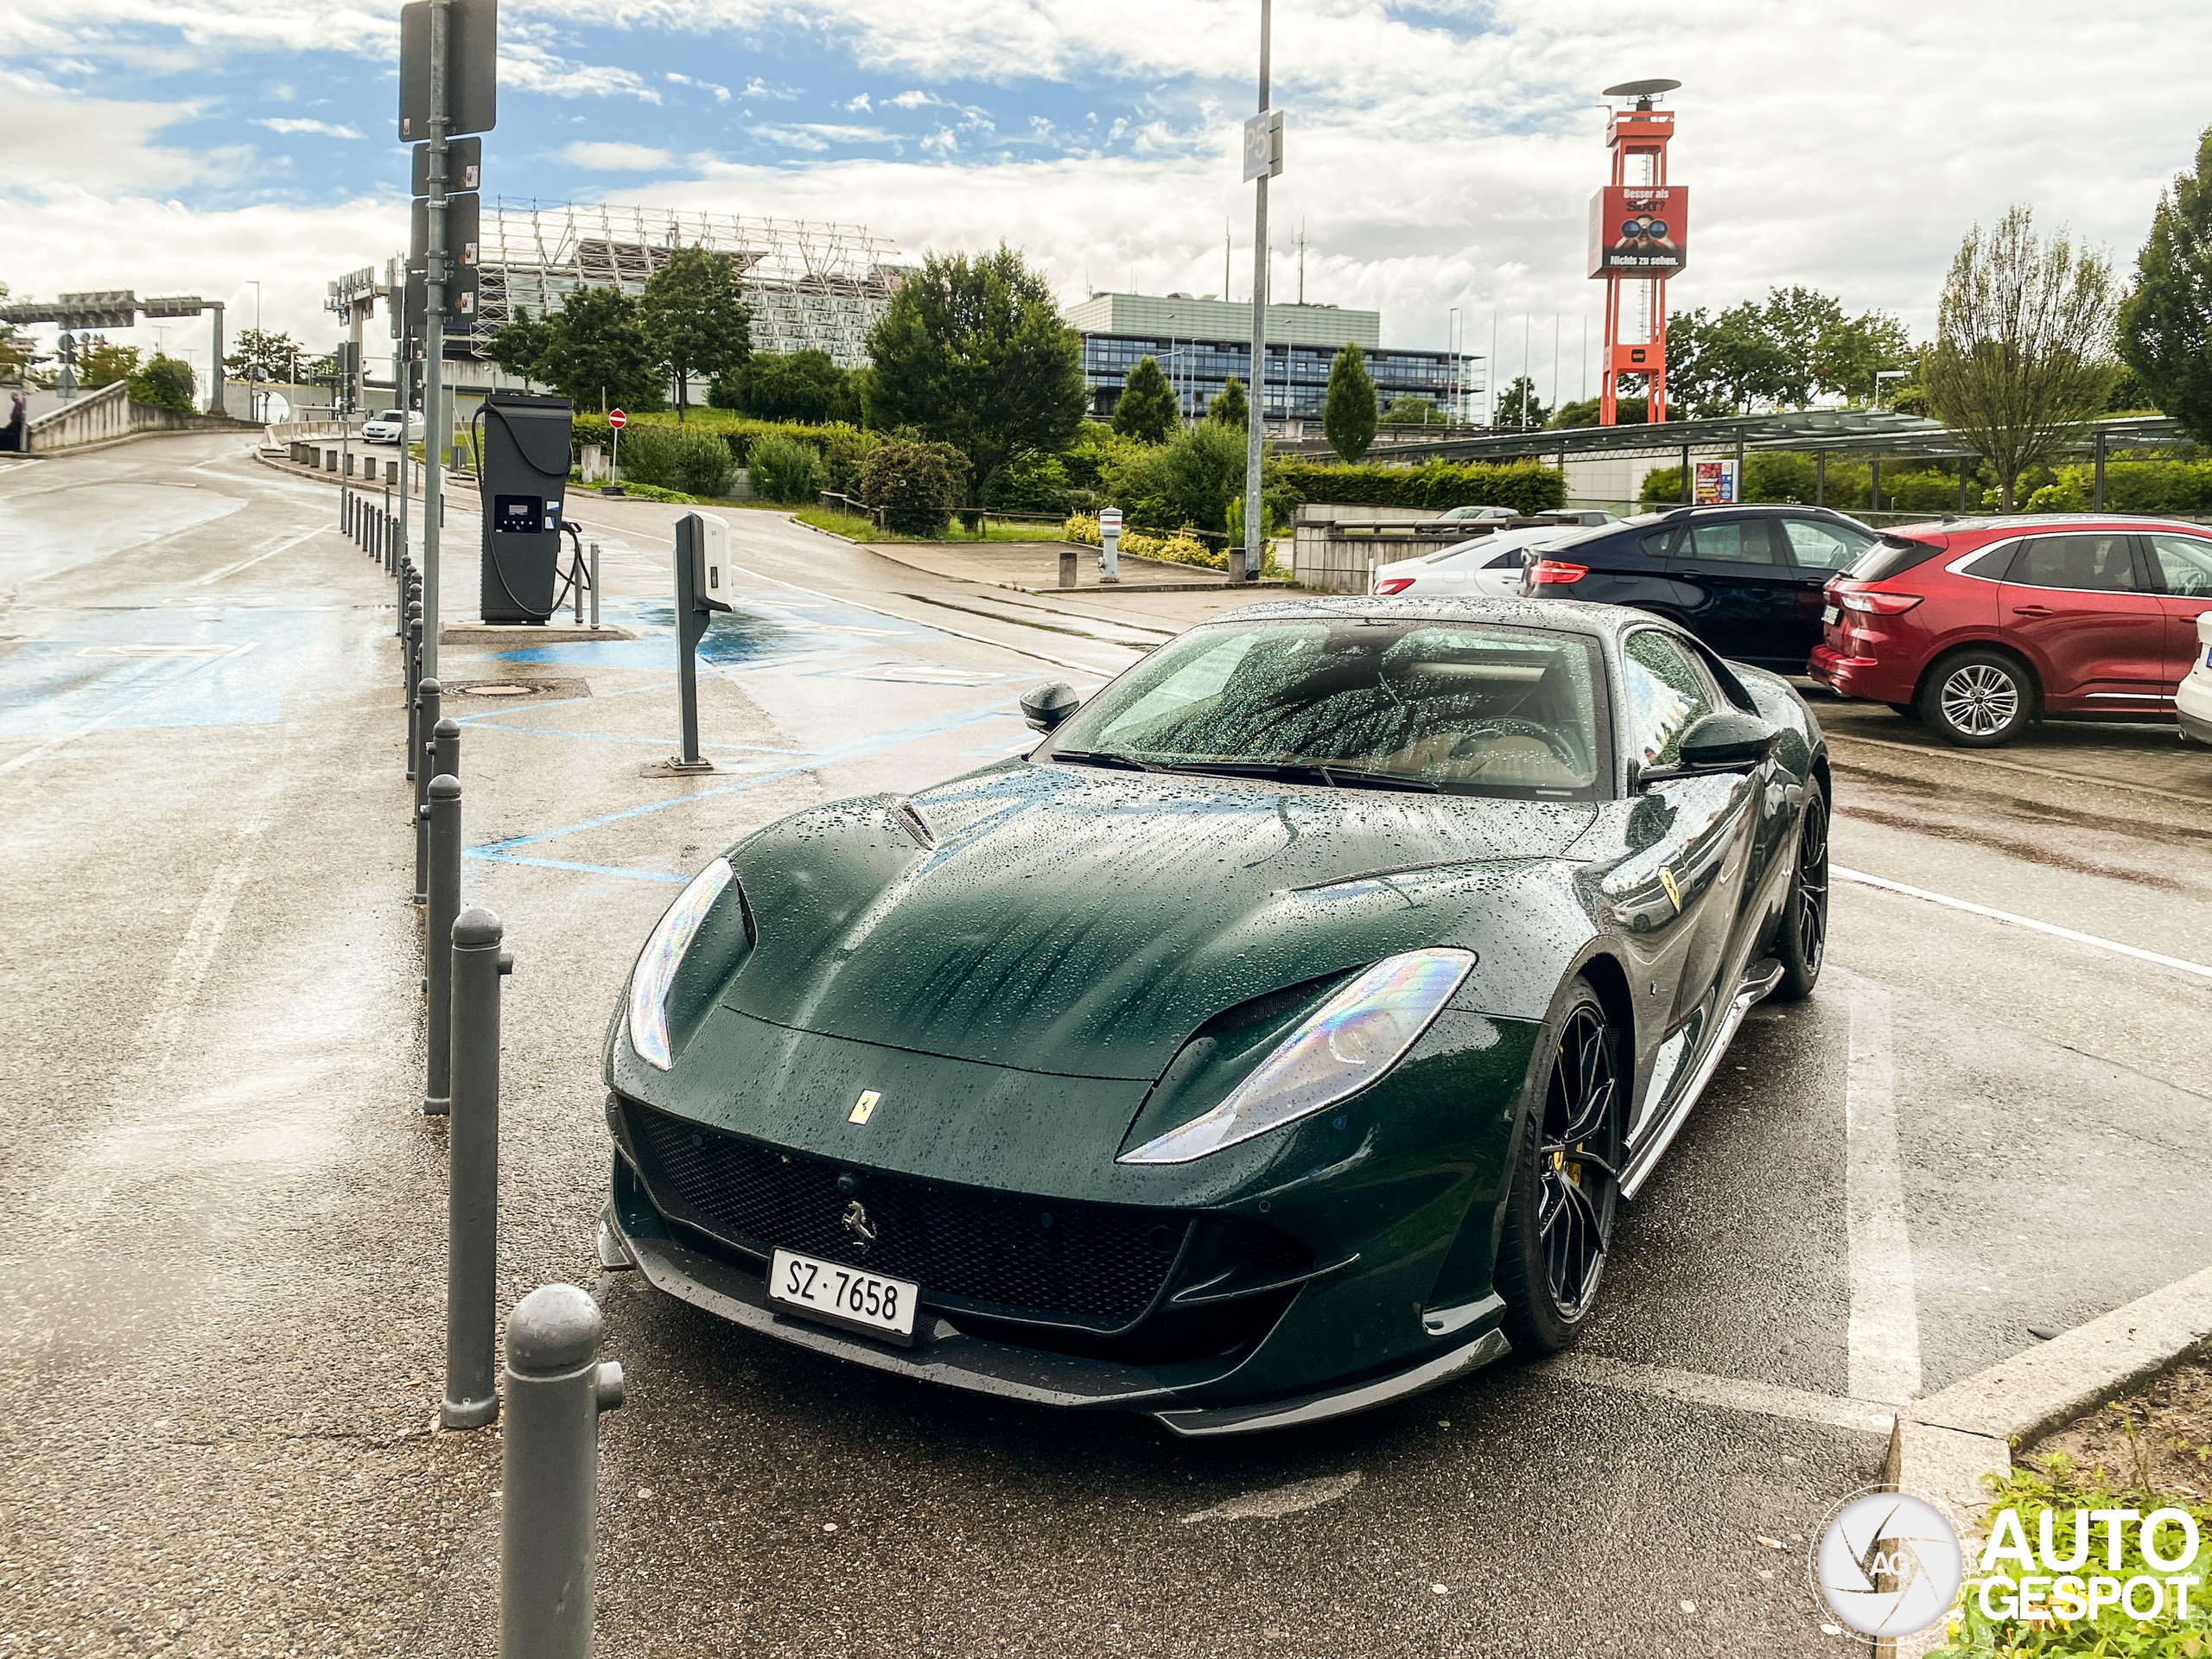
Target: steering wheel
(1509, 726)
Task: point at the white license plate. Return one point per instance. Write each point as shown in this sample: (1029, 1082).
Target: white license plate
(837, 1294)
(1829, 614)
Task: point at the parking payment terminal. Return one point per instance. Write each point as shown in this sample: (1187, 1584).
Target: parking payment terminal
(702, 589)
(522, 478)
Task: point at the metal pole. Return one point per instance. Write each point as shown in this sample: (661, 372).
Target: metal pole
(473, 1158)
(1740, 495)
(594, 584)
(1689, 476)
(426, 721)
(434, 334)
(557, 1389)
(2099, 503)
(1821, 478)
(1874, 484)
(443, 807)
(1244, 562)
(413, 675)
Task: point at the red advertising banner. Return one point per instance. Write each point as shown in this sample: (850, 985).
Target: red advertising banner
(1639, 229)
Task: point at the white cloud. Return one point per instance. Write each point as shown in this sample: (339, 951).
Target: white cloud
(860, 104)
(722, 93)
(756, 87)
(525, 66)
(617, 158)
(292, 123)
(815, 135)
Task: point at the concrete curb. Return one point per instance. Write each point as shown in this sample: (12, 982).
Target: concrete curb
(1943, 1447)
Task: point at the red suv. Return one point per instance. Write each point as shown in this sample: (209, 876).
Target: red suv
(1979, 626)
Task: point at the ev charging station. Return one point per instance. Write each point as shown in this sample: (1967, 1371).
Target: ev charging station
(701, 590)
(522, 478)
(1109, 544)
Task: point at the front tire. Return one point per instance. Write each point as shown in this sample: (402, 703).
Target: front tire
(1979, 699)
(1802, 945)
(1559, 1214)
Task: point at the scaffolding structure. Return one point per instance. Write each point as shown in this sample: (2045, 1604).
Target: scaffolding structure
(812, 285)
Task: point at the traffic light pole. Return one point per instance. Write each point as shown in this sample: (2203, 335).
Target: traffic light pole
(433, 334)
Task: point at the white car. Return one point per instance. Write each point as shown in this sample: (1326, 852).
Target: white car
(1489, 567)
(2193, 698)
(385, 428)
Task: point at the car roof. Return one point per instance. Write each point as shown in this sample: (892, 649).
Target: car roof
(1559, 615)
(2026, 525)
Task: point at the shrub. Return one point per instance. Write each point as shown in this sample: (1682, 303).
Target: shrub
(651, 455)
(787, 470)
(845, 450)
(916, 484)
(1525, 486)
(1030, 482)
(705, 461)
(166, 382)
(1189, 480)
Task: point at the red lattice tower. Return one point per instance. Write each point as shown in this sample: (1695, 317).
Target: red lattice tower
(1639, 236)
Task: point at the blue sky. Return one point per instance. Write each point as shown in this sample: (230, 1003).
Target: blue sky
(1440, 154)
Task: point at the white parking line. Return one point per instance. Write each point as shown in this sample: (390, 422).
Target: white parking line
(1733, 1393)
(2052, 928)
(1885, 1332)
(231, 570)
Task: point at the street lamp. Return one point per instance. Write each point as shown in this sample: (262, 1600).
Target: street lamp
(1881, 375)
(254, 357)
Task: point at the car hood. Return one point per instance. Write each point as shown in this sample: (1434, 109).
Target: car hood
(1074, 921)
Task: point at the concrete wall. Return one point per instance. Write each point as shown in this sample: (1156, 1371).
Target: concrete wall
(108, 416)
(1347, 567)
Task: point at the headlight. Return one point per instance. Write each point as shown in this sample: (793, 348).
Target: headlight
(1353, 1039)
(663, 954)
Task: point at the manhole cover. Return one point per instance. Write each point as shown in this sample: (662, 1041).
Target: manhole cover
(497, 690)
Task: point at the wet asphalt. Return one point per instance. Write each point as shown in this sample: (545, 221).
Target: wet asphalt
(220, 1324)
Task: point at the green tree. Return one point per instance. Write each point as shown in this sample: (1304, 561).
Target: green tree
(1349, 413)
(596, 354)
(1518, 406)
(974, 353)
(1627, 411)
(1189, 480)
(101, 362)
(519, 347)
(2023, 344)
(694, 317)
(1411, 411)
(259, 354)
(1148, 408)
(806, 386)
(2166, 323)
(915, 484)
(166, 382)
(1229, 405)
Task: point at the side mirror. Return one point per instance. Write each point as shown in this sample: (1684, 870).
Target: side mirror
(1723, 742)
(1049, 706)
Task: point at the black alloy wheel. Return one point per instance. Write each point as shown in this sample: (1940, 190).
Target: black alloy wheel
(1560, 1215)
(1804, 943)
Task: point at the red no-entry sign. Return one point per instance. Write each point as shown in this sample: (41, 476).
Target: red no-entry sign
(617, 419)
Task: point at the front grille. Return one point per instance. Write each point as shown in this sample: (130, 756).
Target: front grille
(1090, 1265)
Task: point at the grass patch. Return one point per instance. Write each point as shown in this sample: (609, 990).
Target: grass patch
(860, 528)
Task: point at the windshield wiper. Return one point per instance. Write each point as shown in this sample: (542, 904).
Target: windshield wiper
(1112, 758)
(1295, 771)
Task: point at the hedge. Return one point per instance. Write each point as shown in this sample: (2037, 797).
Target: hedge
(1525, 486)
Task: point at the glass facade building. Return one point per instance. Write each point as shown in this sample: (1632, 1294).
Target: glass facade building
(1199, 343)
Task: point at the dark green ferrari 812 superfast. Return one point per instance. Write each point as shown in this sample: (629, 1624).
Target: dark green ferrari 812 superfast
(1279, 1036)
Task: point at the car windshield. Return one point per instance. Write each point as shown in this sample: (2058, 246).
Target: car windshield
(1350, 701)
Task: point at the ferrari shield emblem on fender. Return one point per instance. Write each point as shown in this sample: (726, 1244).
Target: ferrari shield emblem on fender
(1666, 880)
(864, 1108)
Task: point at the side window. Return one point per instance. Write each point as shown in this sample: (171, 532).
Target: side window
(1512, 559)
(1656, 543)
(2184, 563)
(2098, 563)
(1744, 542)
(1822, 546)
(1993, 565)
(1664, 696)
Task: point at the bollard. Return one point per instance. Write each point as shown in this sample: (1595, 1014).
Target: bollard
(412, 656)
(473, 1160)
(1067, 564)
(557, 1389)
(594, 584)
(426, 693)
(442, 810)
